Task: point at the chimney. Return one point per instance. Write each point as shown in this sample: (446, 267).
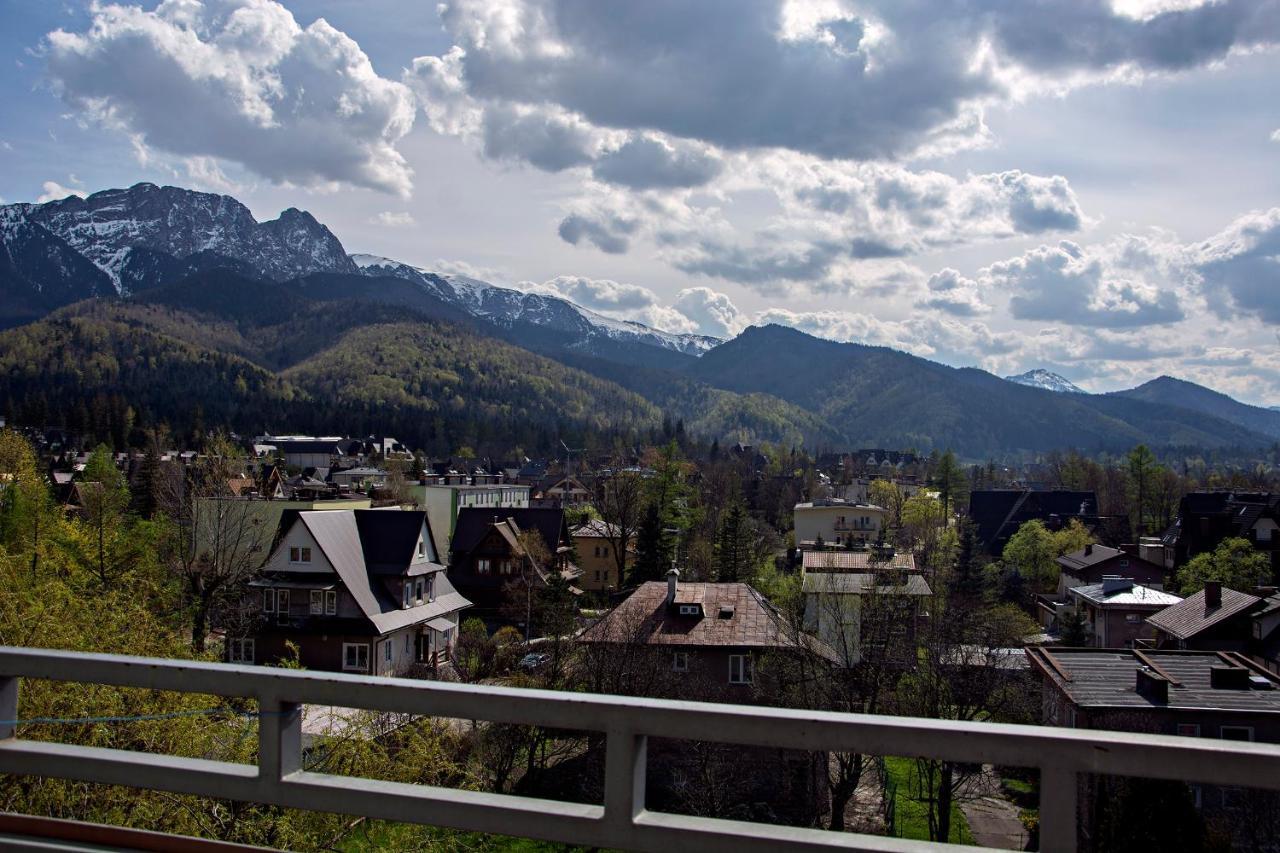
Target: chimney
(1131, 549)
(1213, 594)
(673, 576)
(1229, 677)
(1088, 549)
(1115, 583)
(1151, 685)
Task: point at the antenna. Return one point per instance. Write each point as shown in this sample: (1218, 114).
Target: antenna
(569, 451)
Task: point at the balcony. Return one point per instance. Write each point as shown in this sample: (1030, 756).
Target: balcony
(849, 526)
(621, 820)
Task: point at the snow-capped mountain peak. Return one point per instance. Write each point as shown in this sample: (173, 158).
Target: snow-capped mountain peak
(504, 306)
(1047, 380)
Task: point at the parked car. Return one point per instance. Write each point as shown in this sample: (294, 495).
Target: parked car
(534, 660)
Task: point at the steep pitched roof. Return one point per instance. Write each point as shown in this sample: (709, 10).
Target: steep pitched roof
(474, 523)
(338, 533)
(389, 538)
(1192, 617)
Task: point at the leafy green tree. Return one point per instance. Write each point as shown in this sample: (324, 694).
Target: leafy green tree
(105, 497)
(1033, 550)
(27, 512)
(886, 493)
(1235, 563)
(949, 477)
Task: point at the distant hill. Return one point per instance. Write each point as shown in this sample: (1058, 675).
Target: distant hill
(1188, 395)
(880, 397)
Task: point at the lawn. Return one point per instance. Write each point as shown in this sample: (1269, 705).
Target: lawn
(912, 816)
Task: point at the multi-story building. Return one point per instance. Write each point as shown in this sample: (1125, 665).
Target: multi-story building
(596, 544)
(355, 591)
(443, 502)
(1116, 611)
(833, 522)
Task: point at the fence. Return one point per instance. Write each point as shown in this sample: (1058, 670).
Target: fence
(621, 821)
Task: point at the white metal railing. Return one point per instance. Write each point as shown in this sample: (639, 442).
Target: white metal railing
(621, 821)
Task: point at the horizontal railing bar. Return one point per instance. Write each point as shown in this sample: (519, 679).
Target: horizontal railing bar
(1202, 760)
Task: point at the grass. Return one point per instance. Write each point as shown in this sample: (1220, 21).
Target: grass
(912, 816)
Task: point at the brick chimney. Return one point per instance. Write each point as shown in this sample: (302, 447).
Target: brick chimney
(673, 577)
(1213, 594)
(1088, 549)
(1152, 686)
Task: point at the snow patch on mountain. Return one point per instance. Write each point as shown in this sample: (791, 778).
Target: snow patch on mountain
(1046, 380)
(505, 305)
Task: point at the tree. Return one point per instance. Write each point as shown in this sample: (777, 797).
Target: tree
(105, 498)
(653, 551)
(734, 545)
(886, 493)
(948, 476)
(1141, 468)
(1074, 629)
(619, 498)
(1033, 550)
(213, 540)
(1234, 563)
(27, 512)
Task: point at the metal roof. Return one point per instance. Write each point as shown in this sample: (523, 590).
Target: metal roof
(850, 583)
(1107, 678)
(1133, 596)
(843, 561)
(1192, 616)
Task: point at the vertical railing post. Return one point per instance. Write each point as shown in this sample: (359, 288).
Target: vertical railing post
(1059, 809)
(625, 765)
(8, 706)
(279, 741)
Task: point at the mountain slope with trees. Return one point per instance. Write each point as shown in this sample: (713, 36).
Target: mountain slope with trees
(1169, 391)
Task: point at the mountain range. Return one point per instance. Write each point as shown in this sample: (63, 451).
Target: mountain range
(186, 307)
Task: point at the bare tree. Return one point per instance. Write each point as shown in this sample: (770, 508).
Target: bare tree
(216, 540)
(620, 500)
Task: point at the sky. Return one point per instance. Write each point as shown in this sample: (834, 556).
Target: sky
(1086, 186)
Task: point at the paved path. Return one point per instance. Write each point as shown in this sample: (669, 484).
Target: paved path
(993, 820)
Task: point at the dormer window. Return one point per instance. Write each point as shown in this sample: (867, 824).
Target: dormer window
(689, 610)
(422, 547)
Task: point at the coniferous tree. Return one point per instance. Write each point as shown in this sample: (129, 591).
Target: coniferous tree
(733, 548)
(653, 553)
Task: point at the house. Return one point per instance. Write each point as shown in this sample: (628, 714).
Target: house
(830, 521)
(864, 560)
(704, 641)
(487, 555)
(1116, 611)
(594, 543)
(1216, 618)
(310, 453)
(1207, 518)
(835, 602)
(443, 502)
(998, 513)
(1189, 693)
(361, 478)
(1093, 562)
(565, 492)
(355, 591)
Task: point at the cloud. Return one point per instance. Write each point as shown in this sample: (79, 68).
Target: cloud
(951, 292)
(646, 162)
(52, 191)
(548, 140)
(713, 313)
(879, 80)
(610, 235)
(1239, 268)
(617, 300)
(393, 219)
(928, 336)
(1124, 283)
(239, 80)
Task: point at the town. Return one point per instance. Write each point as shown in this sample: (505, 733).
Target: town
(1121, 597)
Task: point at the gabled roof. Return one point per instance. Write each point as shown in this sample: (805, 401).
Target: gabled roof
(1192, 617)
(338, 533)
(389, 538)
(1136, 595)
(1090, 555)
(595, 528)
(474, 523)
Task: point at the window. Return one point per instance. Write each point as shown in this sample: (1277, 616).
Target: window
(604, 551)
(1236, 732)
(386, 651)
(1124, 564)
(689, 610)
(1188, 730)
(240, 651)
(422, 547)
(597, 575)
(355, 656)
(606, 575)
(317, 602)
(282, 606)
(597, 552)
(406, 594)
(739, 669)
(482, 566)
(1133, 618)
(330, 602)
(299, 555)
(268, 601)
(1197, 794)
(431, 588)
(408, 643)
(508, 567)
(417, 590)
(680, 662)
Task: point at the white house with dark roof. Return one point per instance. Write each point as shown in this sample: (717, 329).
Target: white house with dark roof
(356, 591)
